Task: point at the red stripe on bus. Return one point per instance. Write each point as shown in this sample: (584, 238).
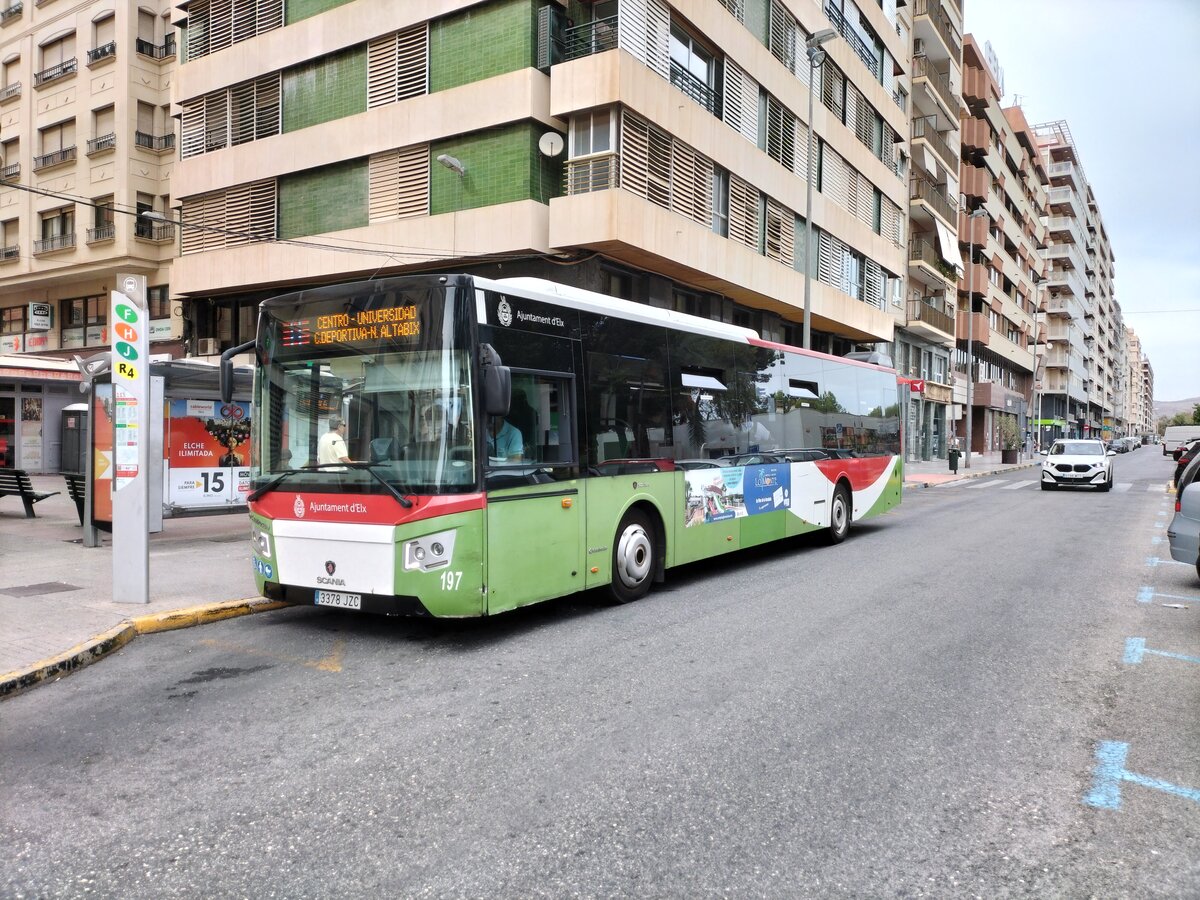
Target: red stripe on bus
(775, 345)
(367, 509)
(862, 473)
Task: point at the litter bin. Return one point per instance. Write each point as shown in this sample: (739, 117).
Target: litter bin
(952, 455)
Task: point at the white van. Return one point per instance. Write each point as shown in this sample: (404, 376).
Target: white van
(1176, 435)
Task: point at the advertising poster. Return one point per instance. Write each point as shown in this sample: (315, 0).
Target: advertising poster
(208, 453)
(102, 450)
(717, 495)
(31, 433)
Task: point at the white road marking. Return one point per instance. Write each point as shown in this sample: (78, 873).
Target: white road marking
(1122, 486)
(1018, 484)
(984, 484)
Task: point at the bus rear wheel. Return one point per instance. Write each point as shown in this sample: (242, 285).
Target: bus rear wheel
(839, 515)
(634, 557)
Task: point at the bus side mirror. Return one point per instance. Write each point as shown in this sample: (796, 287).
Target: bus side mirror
(226, 378)
(497, 382)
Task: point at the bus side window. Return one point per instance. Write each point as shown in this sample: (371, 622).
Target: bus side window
(541, 415)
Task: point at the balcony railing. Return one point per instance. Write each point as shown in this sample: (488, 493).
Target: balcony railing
(10, 254)
(156, 142)
(925, 130)
(694, 88)
(11, 171)
(154, 231)
(10, 12)
(597, 173)
(100, 144)
(101, 233)
(941, 24)
(105, 51)
(923, 68)
(67, 67)
(12, 90)
(932, 313)
(53, 159)
(156, 51)
(920, 189)
(589, 38)
(58, 242)
(921, 251)
(846, 30)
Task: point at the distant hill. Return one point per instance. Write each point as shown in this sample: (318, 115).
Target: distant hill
(1171, 407)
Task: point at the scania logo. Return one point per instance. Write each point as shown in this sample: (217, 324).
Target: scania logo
(504, 313)
(298, 507)
(330, 567)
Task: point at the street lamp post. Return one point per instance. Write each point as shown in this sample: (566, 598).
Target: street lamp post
(975, 214)
(816, 58)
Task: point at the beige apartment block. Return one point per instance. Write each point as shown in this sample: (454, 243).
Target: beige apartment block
(1086, 379)
(1002, 176)
(87, 143)
(925, 321)
(1139, 381)
(652, 150)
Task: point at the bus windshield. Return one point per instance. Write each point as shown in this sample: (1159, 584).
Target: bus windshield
(357, 392)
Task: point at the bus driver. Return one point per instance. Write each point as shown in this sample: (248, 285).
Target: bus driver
(504, 441)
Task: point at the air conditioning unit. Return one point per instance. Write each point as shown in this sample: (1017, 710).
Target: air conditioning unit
(918, 47)
(208, 347)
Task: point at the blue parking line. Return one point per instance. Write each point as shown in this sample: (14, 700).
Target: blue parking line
(1156, 540)
(1145, 595)
(1153, 561)
(1110, 771)
(1136, 649)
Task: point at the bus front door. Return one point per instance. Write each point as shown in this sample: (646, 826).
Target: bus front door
(534, 544)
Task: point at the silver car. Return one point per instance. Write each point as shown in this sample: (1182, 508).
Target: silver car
(1184, 530)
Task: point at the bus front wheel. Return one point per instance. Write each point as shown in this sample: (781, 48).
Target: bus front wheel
(634, 557)
(839, 515)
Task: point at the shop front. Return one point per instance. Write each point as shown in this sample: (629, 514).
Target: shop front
(33, 394)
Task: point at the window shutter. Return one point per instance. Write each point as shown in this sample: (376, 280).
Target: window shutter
(192, 131)
(104, 122)
(741, 102)
(782, 37)
(216, 121)
(737, 8)
(266, 105)
(832, 89)
(238, 215)
(658, 182)
(781, 234)
(399, 183)
(644, 30)
(241, 108)
(397, 66)
(873, 293)
(829, 263)
(635, 152)
(835, 177)
(381, 71)
(743, 213)
(781, 134)
(106, 31)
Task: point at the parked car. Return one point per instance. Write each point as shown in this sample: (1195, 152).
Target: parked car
(751, 459)
(1078, 463)
(1187, 453)
(698, 464)
(1184, 531)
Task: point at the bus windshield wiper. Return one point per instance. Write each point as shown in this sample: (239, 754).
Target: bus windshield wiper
(369, 467)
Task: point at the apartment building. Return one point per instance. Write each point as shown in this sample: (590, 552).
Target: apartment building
(1149, 422)
(1084, 377)
(655, 151)
(925, 323)
(87, 143)
(1139, 381)
(1000, 231)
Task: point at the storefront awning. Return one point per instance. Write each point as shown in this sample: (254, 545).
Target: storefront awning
(948, 246)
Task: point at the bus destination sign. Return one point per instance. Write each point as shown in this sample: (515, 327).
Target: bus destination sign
(365, 326)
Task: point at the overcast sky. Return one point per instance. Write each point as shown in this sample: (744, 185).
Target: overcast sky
(1124, 78)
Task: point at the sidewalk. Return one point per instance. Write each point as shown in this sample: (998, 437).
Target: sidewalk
(56, 614)
(937, 471)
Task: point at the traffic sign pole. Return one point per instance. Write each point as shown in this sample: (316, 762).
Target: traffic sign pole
(129, 324)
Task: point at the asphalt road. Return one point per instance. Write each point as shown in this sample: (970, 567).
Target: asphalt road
(916, 712)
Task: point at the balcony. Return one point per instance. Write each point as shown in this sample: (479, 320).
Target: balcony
(922, 252)
(979, 328)
(590, 37)
(939, 82)
(931, 318)
(857, 44)
(101, 144)
(1064, 197)
(156, 51)
(106, 51)
(976, 183)
(932, 12)
(62, 70)
(10, 92)
(11, 172)
(159, 143)
(597, 173)
(101, 233)
(920, 190)
(57, 158)
(10, 254)
(156, 232)
(11, 12)
(924, 129)
(695, 88)
(53, 244)
(1065, 225)
(976, 136)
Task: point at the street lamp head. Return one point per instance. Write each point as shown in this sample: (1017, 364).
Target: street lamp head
(452, 163)
(153, 214)
(816, 57)
(820, 37)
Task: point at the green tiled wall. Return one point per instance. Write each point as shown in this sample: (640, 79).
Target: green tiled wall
(301, 9)
(481, 42)
(503, 165)
(331, 198)
(331, 87)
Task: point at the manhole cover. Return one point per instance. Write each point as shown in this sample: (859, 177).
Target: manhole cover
(32, 590)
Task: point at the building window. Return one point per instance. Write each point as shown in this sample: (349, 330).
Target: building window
(58, 223)
(158, 299)
(693, 69)
(592, 133)
(720, 202)
(12, 320)
(617, 284)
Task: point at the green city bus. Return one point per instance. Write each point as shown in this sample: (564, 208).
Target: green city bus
(509, 441)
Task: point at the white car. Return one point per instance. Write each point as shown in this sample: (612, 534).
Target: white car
(1078, 463)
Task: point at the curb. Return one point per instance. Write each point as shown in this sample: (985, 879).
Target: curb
(114, 639)
(916, 483)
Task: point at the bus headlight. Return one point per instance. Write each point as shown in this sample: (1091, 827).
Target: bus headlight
(261, 541)
(433, 551)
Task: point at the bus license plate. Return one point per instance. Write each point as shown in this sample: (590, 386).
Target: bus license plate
(341, 601)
